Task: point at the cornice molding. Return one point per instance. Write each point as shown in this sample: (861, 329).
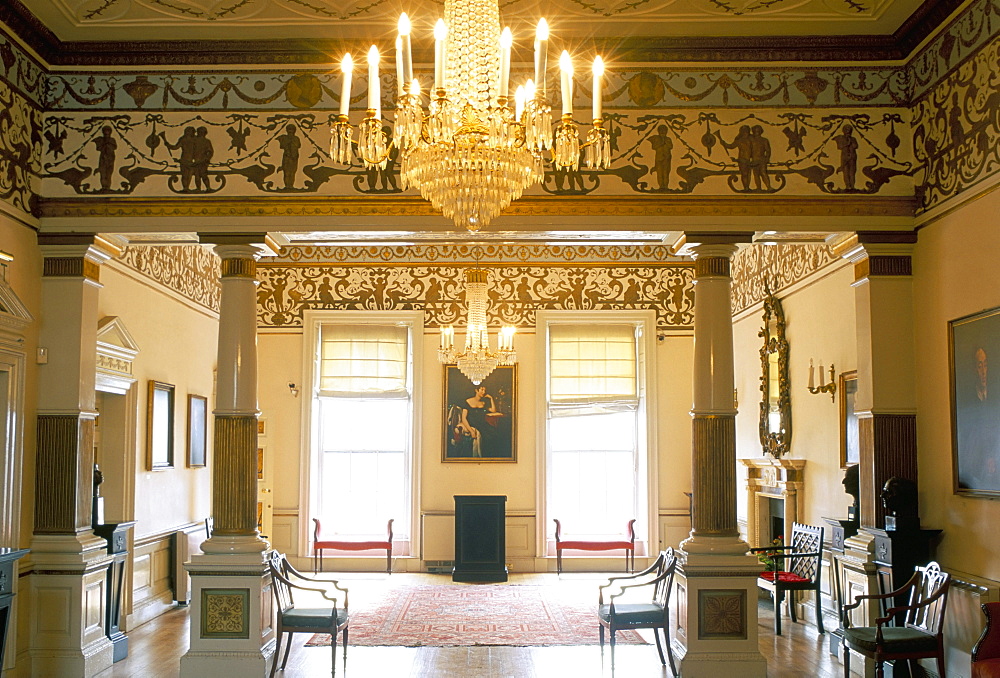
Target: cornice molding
(927, 18)
(527, 206)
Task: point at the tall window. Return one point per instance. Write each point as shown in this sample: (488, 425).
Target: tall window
(595, 426)
(364, 429)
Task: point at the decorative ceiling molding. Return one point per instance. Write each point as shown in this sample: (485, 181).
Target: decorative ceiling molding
(483, 254)
(191, 271)
(921, 23)
(759, 267)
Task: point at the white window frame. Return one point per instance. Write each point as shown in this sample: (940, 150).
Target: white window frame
(311, 337)
(647, 525)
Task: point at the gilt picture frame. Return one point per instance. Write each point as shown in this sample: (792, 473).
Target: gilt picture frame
(975, 403)
(480, 421)
(850, 448)
(197, 431)
(159, 426)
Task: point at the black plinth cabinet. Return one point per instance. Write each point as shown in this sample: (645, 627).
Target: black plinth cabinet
(480, 543)
(116, 534)
(897, 553)
(7, 579)
(841, 529)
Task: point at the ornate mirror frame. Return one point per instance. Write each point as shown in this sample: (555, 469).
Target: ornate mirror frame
(774, 403)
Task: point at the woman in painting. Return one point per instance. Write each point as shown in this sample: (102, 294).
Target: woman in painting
(479, 416)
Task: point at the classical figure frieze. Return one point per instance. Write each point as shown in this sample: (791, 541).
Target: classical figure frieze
(755, 153)
(192, 271)
(757, 267)
(516, 291)
(21, 72)
(20, 149)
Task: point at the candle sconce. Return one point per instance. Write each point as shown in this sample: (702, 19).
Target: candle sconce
(824, 386)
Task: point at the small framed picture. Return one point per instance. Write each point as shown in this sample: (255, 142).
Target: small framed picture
(850, 449)
(479, 420)
(160, 426)
(197, 430)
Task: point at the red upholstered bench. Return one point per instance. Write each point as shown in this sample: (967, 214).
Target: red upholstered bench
(593, 545)
(320, 544)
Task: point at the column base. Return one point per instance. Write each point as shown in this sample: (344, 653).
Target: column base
(232, 616)
(715, 664)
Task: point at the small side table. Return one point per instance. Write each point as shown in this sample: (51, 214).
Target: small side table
(116, 534)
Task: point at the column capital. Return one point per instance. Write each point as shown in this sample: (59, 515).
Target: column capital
(876, 243)
(75, 255)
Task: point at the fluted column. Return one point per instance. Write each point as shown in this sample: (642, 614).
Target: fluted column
(234, 478)
(716, 585)
(70, 562)
(231, 605)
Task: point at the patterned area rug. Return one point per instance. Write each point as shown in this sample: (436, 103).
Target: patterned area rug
(445, 615)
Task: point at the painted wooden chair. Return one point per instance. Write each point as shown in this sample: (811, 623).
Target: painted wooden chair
(320, 545)
(331, 618)
(658, 578)
(986, 652)
(798, 567)
(921, 633)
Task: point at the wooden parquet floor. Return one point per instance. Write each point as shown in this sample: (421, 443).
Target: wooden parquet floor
(156, 647)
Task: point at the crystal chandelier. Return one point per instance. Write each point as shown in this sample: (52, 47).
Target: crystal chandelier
(477, 361)
(474, 149)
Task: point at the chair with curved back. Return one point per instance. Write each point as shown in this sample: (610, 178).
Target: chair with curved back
(986, 652)
(799, 567)
(921, 632)
(320, 544)
(292, 618)
(655, 614)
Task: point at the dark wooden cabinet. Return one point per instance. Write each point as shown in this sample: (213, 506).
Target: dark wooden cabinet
(116, 534)
(897, 553)
(480, 543)
(7, 578)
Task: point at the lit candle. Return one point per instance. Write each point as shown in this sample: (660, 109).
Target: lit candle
(541, 54)
(404, 38)
(519, 102)
(347, 69)
(440, 35)
(415, 88)
(400, 79)
(812, 378)
(566, 72)
(506, 40)
(374, 88)
(598, 82)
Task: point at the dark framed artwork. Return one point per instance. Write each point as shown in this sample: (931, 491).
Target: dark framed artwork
(975, 403)
(479, 421)
(197, 430)
(850, 449)
(160, 426)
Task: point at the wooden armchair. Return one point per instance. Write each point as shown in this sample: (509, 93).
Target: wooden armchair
(320, 544)
(921, 633)
(799, 567)
(986, 652)
(331, 618)
(654, 615)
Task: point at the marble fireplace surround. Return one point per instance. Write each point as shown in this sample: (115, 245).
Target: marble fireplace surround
(769, 478)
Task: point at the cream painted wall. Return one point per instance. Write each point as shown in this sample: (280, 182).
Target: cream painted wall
(280, 356)
(177, 345)
(955, 274)
(820, 324)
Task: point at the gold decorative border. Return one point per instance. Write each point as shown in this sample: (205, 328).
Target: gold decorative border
(225, 613)
(775, 266)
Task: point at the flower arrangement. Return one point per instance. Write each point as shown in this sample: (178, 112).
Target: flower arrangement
(767, 556)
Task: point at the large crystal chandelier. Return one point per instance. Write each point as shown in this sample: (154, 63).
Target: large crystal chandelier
(475, 148)
(478, 360)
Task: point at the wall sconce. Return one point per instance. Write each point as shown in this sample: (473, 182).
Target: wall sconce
(293, 389)
(823, 387)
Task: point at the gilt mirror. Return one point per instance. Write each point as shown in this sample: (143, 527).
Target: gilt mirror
(775, 401)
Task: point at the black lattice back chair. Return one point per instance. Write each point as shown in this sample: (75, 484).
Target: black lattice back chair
(798, 567)
(922, 632)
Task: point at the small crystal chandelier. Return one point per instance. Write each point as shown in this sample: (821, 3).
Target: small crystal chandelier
(477, 361)
(475, 148)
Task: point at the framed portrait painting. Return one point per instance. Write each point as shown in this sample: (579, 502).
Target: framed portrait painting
(850, 450)
(197, 430)
(479, 421)
(975, 403)
(160, 426)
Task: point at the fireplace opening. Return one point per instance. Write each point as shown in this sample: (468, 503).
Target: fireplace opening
(776, 511)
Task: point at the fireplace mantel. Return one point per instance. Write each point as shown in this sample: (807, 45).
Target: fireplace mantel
(769, 478)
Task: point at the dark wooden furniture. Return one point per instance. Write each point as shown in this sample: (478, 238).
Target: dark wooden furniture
(116, 534)
(919, 635)
(897, 554)
(654, 615)
(799, 567)
(628, 545)
(986, 651)
(841, 529)
(480, 539)
(331, 618)
(7, 578)
(320, 545)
